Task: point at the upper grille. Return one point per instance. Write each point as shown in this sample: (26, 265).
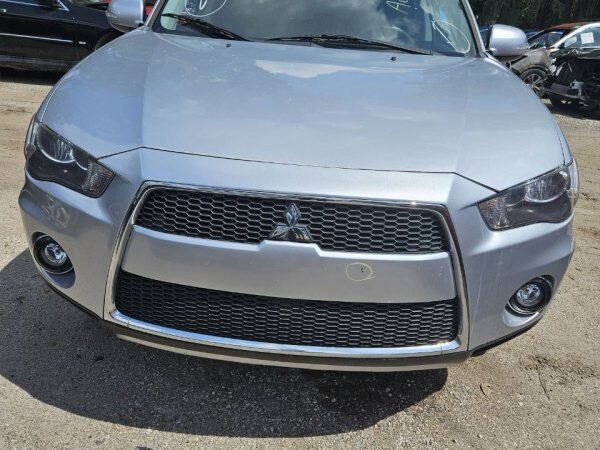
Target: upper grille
(284, 321)
(333, 226)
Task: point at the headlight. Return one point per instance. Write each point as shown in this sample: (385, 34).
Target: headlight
(52, 158)
(549, 198)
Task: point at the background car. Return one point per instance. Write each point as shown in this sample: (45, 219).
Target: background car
(532, 67)
(535, 65)
(555, 37)
(484, 30)
(52, 35)
(575, 80)
(584, 37)
(530, 32)
(550, 36)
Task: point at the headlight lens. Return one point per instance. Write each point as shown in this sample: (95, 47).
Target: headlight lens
(52, 158)
(549, 198)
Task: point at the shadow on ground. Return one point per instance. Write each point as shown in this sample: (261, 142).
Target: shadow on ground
(27, 77)
(64, 358)
(573, 112)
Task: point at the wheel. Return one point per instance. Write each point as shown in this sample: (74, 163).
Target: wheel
(535, 79)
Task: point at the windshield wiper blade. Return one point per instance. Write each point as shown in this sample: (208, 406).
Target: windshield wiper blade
(353, 40)
(206, 27)
(101, 6)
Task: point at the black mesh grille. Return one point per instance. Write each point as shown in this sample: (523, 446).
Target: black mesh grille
(284, 321)
(333, 226)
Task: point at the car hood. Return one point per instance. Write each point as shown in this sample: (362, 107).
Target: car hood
(311, 106)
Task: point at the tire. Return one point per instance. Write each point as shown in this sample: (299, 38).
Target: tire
(535, 79)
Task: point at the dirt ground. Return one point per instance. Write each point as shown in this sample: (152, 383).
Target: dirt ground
(67, 383)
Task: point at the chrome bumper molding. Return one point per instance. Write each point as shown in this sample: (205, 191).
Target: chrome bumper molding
(111, 314)
(263, 347)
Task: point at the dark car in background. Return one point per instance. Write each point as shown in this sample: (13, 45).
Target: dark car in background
(575, 80)
(484, 31)
(532, 67)
(530, 32)
(51, 35)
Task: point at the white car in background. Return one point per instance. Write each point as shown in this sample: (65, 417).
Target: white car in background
(586, 36)
(575, 33)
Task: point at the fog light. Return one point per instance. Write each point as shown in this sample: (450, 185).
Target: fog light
(51, 256)
(531, 297)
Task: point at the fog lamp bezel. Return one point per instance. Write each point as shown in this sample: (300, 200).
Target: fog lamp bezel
(547, 288)
(38, 247)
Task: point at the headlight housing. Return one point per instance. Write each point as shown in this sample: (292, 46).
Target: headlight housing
(52, 158)
(549, 198)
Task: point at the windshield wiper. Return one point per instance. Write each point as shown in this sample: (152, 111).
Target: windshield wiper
(205, 27)
(351, 40)
(98, 5)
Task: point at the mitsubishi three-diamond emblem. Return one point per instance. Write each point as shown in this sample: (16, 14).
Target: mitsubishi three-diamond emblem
(290, 230)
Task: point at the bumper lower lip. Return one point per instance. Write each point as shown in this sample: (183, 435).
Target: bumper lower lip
(300, 361)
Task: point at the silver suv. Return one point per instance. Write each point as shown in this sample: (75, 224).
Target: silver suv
(354, 185)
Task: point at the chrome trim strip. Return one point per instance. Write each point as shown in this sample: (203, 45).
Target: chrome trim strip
(62, 5)
(37, 38)
(239, 344)
(113, 315)
(474, 28)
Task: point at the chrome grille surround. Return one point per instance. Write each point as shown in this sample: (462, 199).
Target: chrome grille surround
(459, 345)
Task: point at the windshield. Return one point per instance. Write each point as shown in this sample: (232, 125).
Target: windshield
(434, 26)
(586, 38)
(546, 38)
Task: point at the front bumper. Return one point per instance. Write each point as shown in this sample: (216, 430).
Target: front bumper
(483, 269)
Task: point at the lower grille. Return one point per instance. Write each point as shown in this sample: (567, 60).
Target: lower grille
(286, 321)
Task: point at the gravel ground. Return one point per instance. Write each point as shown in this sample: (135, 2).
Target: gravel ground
(67, 383)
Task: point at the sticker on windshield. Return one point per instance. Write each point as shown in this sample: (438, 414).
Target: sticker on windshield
(203, 8)
(587, 38)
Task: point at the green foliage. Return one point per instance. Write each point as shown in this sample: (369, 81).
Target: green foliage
(535, 13)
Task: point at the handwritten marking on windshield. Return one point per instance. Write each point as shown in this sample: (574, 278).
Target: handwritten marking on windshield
(205, 7)
(452, 35)
(399, 5)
